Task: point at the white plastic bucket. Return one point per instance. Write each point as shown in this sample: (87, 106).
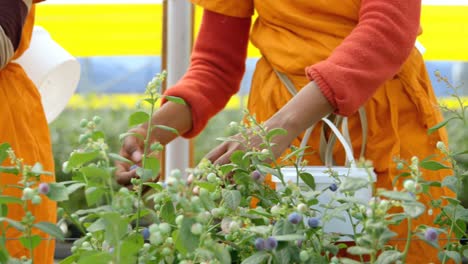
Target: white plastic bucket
(323, 180)
(53, 70)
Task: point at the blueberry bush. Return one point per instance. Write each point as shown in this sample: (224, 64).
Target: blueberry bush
(228, 213)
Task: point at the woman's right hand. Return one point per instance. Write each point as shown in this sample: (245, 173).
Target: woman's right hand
(132, 149)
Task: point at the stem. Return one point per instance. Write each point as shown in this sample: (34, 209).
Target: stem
(408, 240)
(146, 146)
(450, 232)
(31, 250)
(354, 230)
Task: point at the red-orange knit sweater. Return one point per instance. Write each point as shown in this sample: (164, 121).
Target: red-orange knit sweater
(218, 61)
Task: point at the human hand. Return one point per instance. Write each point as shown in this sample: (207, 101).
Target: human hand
(250, 140)
(132, 149)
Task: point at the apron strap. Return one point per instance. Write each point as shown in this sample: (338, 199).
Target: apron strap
(326, 145)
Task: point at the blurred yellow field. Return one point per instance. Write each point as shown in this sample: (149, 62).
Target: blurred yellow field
(136, 29)
(130, 101)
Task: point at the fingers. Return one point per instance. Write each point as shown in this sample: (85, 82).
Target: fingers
(217, 152)
(132, 149)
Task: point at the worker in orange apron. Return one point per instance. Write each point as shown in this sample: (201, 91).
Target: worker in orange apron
(341, 55)
(23, 124)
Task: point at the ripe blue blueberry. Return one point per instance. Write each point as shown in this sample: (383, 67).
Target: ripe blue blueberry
(313, 222)
(256, 175)
(295, 218)
(259, 244)
(43, 188)
(431, 234)
(333, 187)
(271, 243)
(145, 233)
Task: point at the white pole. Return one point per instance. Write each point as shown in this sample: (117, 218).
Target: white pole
(179, 46)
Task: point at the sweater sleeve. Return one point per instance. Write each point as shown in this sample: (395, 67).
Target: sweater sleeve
(372, 54)
(13, 14)
(216, 68)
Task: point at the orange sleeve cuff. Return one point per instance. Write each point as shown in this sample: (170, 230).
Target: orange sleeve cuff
(216, 68)
(372, 54)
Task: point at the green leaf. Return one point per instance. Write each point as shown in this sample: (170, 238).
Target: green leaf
(232, 198)
(3, 151)
(93, 195)
(37, 169)
(267, 170)
(50, 229)
(95, 257)
(57, 192)
(98, 225)
(13, 223)
(275, 132)
(206, 200)
(452, 255)
(30, 242)
(3, 254)
(185, 240)
(211, 187)
(96, 135)
(222, 254)
(5, 199)
(75, 186)
(283, 227)
(3, 210)
(451, 182)
(356, 250)
(413, 208)
(170, 129)
(133, 134)
(96, 174)
(353, 184)
(129, 248)
(168, 212)
(115, 227)
(174, 99)
(257, 212)
(145, 174)
(9, 169)
(154, 185)
(432, 165)
(439, 125)
(238, 158)
(226, 168)
(290, 237)
(152, 164)
(138, 118)
(69, 260)
(117, 157)
(78, 159)
(349, 261)
(308, 179)
(395, 195)
(257, 258)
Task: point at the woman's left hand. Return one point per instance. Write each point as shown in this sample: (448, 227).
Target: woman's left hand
(222, 153)
(301, 112)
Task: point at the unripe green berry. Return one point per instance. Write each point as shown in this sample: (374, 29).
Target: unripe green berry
(211, 177)
(196, 229)
(36, 199)
(304, 256)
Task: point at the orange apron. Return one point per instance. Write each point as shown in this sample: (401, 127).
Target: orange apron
(296, 34)
(24, 127)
